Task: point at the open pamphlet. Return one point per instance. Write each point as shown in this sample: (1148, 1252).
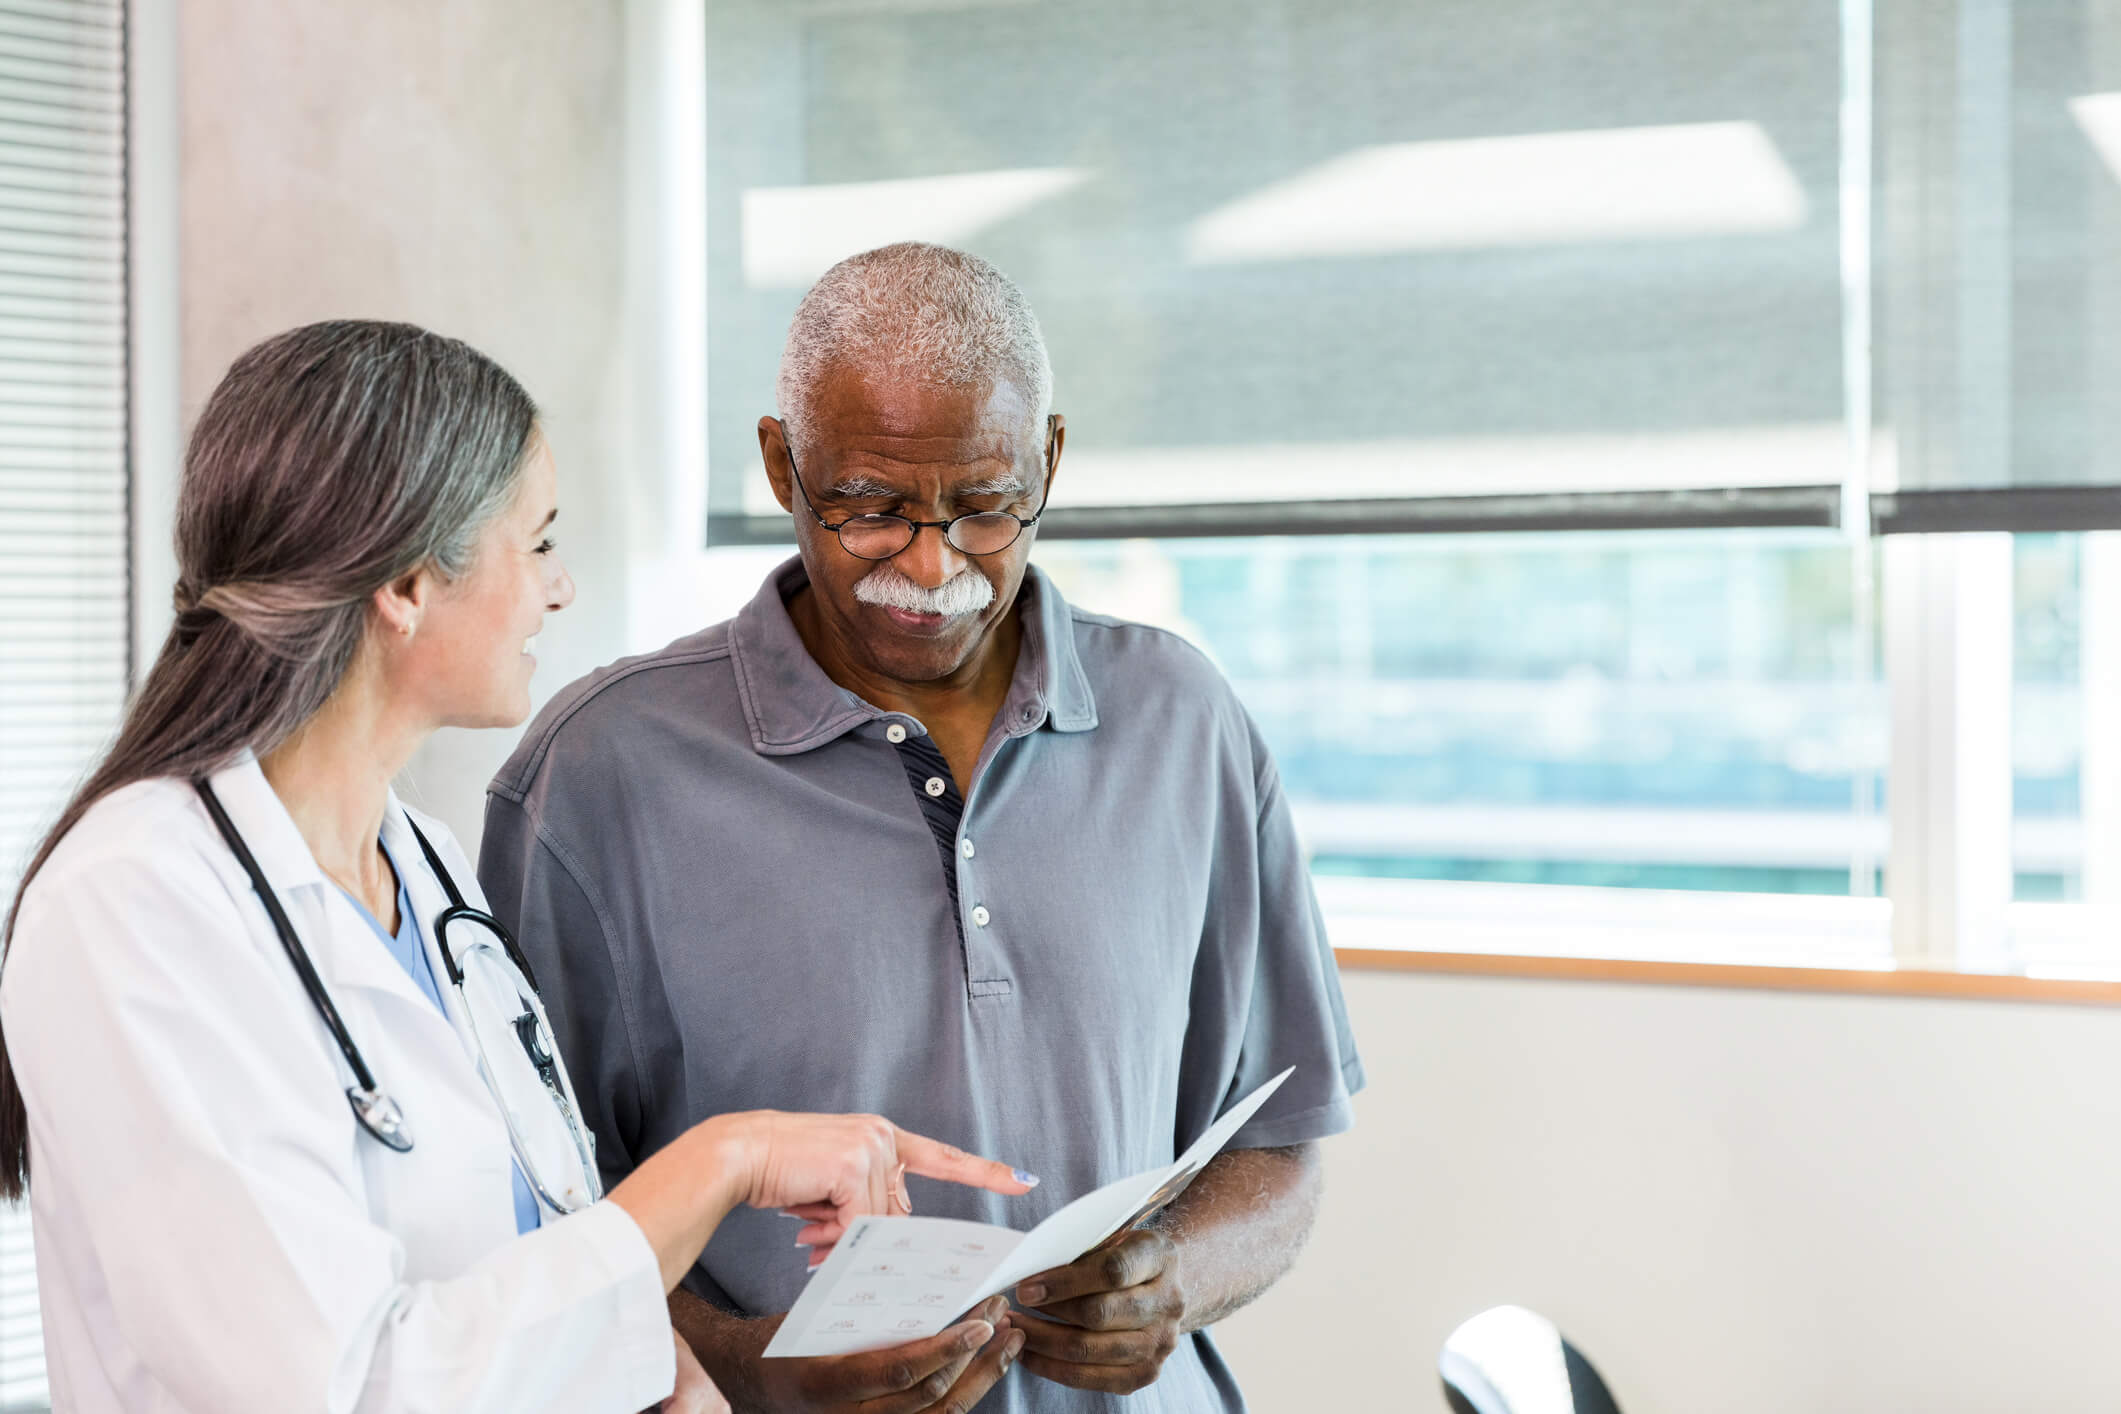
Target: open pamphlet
(894, 1279)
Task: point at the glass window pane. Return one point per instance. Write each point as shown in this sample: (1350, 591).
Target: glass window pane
(1666, 714)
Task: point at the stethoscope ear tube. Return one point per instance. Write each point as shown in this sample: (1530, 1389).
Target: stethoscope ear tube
(376, 1111)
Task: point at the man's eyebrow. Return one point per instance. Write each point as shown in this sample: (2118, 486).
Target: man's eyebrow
(861, 488)
(868, 488)
(1009, 484)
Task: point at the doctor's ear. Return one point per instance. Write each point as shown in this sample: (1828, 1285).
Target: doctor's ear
(399, 604)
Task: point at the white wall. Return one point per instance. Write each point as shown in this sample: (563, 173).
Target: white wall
(1747, 1203)
(457, 163)
(1739, 1202)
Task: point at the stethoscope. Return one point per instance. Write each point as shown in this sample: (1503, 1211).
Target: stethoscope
(373, 1107)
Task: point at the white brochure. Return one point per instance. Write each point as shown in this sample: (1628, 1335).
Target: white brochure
(890, 1280)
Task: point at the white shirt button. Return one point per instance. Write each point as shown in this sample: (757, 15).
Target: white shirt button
(980, 915)
(935, 786)
(965, 849)
(895, 733)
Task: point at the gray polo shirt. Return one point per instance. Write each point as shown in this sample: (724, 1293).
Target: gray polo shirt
(744, 887)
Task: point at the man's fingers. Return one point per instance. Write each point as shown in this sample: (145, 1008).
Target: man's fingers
(882, 1374)
(1140, 1257)
(931, 1390)
(1127, 1310)
(1073, 1345)
(985, 1370)
(934, 1160)
(1107, 1379)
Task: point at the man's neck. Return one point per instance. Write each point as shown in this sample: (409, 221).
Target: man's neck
(976, 689)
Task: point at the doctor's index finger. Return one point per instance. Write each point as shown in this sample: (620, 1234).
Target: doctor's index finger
(933, 1159)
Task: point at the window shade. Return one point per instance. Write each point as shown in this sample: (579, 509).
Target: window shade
(64, 479)
(1509, 263)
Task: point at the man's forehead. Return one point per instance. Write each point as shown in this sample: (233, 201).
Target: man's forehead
(850, 403)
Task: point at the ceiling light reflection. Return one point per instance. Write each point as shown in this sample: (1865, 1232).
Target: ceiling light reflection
(1658, 183)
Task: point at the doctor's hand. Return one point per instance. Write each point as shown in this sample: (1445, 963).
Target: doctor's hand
(839, 1167)
(831, 1169)
(695, 1393)
(1113, 1316)
(950, 1371)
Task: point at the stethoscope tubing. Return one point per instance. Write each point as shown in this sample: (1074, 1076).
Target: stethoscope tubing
(289, 941)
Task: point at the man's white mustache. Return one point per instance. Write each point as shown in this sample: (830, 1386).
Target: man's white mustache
(966, 592)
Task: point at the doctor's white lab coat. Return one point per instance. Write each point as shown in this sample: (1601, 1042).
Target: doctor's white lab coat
(214, 1232)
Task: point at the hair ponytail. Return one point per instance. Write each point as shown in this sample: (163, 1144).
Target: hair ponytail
(330, 461)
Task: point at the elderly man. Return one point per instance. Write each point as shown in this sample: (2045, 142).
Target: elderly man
(911, 835)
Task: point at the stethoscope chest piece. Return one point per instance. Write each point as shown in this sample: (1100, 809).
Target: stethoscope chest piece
(380, 1116)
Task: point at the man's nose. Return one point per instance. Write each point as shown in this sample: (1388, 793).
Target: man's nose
(931, 560)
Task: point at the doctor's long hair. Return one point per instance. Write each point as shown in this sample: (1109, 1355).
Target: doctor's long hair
(331, 461)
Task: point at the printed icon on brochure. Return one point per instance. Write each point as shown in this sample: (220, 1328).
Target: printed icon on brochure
(912, 1323)
(840, 1328)
(864, 1297)
(886, 1269)
(949, 1271)
(970, 1249)
(935, 1300)
(904, 1244)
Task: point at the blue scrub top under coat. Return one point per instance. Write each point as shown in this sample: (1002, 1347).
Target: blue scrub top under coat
(411, 955)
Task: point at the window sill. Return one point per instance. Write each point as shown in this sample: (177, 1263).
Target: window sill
(1789, 943)
(1846, 981)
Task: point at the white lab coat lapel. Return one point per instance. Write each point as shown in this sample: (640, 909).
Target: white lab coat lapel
(342, 955)
(419, 1057)
(429, 900)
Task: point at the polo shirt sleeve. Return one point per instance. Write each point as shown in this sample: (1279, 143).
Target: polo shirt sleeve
(1266, 993)
(543, 899)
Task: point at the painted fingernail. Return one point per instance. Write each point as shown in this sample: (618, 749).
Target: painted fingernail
(1029, 1180)
(1031, 1295)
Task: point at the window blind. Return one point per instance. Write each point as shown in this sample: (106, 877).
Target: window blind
(64, 474)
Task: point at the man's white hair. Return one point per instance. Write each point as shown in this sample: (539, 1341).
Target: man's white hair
(912, 310)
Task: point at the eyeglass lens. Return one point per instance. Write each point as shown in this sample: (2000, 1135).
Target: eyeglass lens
(881, 537)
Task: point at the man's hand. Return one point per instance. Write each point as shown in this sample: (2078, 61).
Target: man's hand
(949, 1372)
(1114, 1315)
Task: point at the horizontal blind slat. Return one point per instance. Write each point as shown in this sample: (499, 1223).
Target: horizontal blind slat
(107, 15)
(65, 586)
(93, 57)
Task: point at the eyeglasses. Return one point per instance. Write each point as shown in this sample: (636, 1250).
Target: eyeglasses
(879, 537)
(508, 1025)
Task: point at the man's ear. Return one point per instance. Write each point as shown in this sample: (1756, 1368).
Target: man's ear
(1056, 438)
(780, 467)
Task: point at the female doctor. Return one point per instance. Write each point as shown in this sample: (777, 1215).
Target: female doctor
(298, 1137)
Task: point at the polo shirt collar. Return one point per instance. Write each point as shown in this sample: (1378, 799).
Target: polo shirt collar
(791, 706)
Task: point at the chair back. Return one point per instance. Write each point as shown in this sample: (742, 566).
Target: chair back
(1512, 1361)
